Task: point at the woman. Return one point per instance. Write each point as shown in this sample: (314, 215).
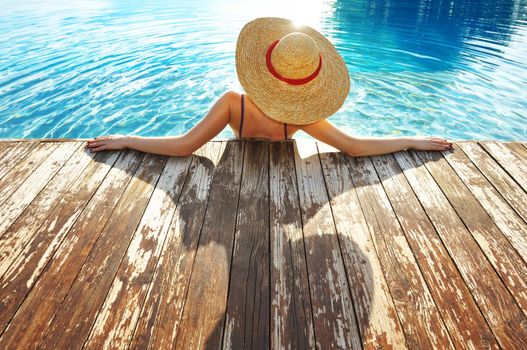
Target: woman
(294, 80)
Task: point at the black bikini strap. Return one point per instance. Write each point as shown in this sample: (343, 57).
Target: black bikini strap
(241, 123)
(285, 130)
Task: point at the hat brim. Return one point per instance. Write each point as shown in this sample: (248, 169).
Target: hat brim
(292, 104)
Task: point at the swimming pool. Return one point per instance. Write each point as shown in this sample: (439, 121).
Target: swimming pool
(456, 69)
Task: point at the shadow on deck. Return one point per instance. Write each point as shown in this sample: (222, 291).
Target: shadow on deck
(254, 244)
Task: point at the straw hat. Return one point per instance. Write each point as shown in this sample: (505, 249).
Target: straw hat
(292, 73)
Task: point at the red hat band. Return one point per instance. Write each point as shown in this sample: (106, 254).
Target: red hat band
(288, 80)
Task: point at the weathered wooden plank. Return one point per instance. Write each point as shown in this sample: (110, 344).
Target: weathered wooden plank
(518, 150)
(505, 185)
(247, 314)
(202, 321)
(60, 139)
(13, 155)
(162, 303)
(498, 307)
(117, 318)
(35, 182)
(31, 220)
(21, 171)
(4, 145)
(505, 218)
(291, 317)
(160, 315)
(465, 323)
(78, 311)
(75, 226)
(377, 316)
(4, 148)
(509, 159)
(419, 316)
(333, 313)
(501, 254)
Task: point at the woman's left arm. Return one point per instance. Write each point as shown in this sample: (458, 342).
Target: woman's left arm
(368, 146)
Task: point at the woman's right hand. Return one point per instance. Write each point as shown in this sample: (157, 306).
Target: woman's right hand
(426, 143)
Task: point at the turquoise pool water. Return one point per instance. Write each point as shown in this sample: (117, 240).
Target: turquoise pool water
(456, 68)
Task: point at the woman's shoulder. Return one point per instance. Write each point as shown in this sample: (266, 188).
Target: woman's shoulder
(232, 94)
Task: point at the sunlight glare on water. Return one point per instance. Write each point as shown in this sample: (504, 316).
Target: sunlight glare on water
(455, 68)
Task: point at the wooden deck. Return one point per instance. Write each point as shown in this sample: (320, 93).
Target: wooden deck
(253, 244)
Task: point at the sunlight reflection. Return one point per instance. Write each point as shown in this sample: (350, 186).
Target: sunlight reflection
(308, 12)
(305, 148)
(79, 7)
(325, 148)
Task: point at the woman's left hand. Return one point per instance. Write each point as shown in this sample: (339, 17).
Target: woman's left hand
(423, 143)
(109, 142)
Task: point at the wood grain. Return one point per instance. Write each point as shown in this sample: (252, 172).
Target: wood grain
(117, 318)
(68, 236)
(14, 154)
(498, 250)
(255, 244)
(78, 311)
(505, 218)
(17, 236)
(5, 148)
(5, 145)
(419, 316)
(202, 320)
(33, 184)
(291, 314)
(161, 311)
(497, 305)
(333, 312)
(518, 150)
(513, 161)
(504, 184)
(377, 316)
(247, 314)
(465, 323)
(22, 170)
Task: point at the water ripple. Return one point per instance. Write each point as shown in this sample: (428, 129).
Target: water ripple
(86, 68)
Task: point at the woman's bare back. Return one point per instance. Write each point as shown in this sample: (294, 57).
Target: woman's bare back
(256, 124)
